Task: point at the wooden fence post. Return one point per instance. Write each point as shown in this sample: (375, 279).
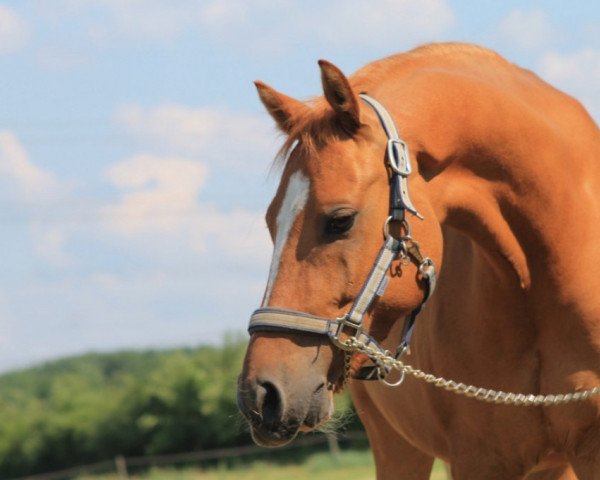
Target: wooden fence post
(121, 466)
(334, 446)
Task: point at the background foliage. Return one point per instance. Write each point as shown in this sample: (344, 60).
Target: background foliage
(96, 406)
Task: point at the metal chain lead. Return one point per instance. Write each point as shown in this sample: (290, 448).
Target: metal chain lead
(347, 366)
(477, 393)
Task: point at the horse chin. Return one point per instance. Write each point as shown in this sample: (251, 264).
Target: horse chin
(317, 418)
(273, 438)
(306, 428)
(282, 433)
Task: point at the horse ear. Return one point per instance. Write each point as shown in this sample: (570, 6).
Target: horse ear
(340, 95)
(282, 108)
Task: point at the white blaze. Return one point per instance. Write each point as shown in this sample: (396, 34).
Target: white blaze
(294, 201)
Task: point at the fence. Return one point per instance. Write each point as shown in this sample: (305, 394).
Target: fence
(121, 465)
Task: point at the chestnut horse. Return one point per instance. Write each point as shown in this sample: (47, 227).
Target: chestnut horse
(506, 175)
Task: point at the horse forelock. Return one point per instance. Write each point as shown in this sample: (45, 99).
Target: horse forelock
(310, 131)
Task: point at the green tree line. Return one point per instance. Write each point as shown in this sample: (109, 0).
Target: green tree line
(93, 407)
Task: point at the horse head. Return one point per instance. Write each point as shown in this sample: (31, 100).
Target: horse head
(326, 222)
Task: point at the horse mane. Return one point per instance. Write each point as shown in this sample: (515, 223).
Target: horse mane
(453, 48)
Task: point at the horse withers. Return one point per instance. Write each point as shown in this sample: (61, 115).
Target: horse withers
(447, 159)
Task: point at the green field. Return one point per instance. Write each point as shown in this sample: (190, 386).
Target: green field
(351, 465)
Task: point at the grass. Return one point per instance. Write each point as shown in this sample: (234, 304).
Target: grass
(350, 465)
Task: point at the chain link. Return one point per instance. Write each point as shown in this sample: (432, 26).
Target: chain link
(347, 365)
(477, 393)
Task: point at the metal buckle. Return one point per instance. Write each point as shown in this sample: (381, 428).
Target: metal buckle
(342, 323)
(397, 151)
(401, 350)
(426, 267)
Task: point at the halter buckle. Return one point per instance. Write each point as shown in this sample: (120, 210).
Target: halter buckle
(342, 323)
(397, 151)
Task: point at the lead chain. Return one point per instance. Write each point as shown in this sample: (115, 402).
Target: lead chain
(470, 391)
(347, 365)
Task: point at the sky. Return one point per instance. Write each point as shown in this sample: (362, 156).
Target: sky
(135, 157)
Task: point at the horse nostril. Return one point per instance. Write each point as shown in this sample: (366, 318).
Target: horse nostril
(269, 403)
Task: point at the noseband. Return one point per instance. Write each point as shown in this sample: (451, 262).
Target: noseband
(268, 319)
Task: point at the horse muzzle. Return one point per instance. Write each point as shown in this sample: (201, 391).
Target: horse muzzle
(276, 414)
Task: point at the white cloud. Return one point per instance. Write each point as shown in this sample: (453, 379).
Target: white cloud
(32, 190)
(13, 31)
(239, 233)
(273, 26)
(213, 134)
(176, 126)
(578, 67)
(142, 19)
(62, 58)
(526, 30)
(164, 21)
(228, 12)
(49, 244)
(17, 170)
(577, 73)
(160, 203)
(359, 23)
(158, 193)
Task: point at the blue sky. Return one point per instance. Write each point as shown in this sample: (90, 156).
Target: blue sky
(135, 156)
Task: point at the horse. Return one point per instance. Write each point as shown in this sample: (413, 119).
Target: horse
(503, 172)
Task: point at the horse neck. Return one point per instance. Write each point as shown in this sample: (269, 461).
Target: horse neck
(524, 190)
(512, 164)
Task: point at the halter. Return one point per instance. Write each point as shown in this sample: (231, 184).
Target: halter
(269, 319)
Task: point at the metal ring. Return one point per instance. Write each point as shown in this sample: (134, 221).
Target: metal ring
(426, 263)
(338, 343)
(405, 225)
(390, 384)
(386, 227)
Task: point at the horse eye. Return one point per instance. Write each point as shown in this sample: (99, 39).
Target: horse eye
(339, 224)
